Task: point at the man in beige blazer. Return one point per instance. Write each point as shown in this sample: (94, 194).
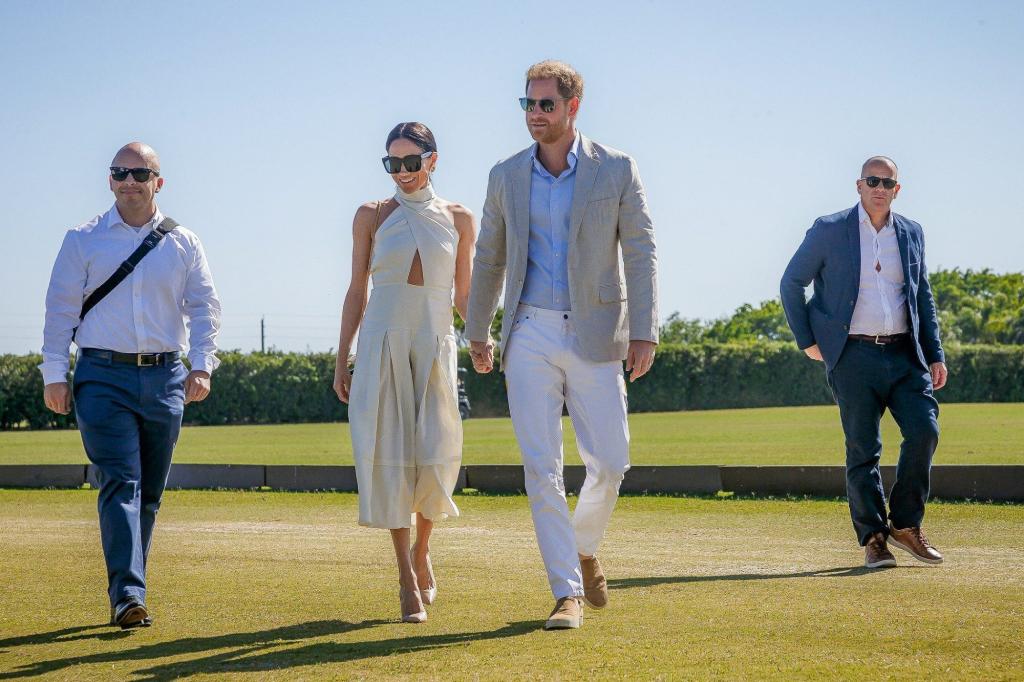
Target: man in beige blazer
(566, 229)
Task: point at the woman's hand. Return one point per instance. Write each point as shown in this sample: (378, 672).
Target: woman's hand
(342, 382)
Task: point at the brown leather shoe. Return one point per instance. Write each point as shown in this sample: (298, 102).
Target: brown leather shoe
(913, 541)
(876, 554)
(595, 587)
(131, 613)
(568, 614)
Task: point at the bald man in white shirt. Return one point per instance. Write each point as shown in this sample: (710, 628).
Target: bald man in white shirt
(130, 386)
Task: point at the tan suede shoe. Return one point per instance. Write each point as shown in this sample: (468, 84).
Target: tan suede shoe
(913, 542)
(568, 614)
(595, 587)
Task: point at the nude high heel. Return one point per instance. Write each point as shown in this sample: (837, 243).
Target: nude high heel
(417, 617)
(427, 595)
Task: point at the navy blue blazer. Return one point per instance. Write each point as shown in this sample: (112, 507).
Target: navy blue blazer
(830, 257)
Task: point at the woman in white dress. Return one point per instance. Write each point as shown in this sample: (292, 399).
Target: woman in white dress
(417, 249)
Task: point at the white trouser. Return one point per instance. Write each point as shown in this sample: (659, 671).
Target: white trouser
(543, 371)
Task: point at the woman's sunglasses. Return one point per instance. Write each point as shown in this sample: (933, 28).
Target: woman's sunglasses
(413, 163)
(139, 174)
(873, 180)
(546, 105)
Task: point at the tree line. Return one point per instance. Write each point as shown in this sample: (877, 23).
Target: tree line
(975, 307)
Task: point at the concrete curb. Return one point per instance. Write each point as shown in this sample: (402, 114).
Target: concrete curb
(997, 482)
(42, 476)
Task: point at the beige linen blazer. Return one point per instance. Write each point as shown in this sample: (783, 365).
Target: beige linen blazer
(613, 288)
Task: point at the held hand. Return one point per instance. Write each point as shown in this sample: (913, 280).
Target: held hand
(639, 358)
(939, 374)
(342, 382)
(482, 353)
(197, 386)
(814, 353)
(58, 397)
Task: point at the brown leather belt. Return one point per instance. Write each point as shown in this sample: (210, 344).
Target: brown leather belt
(881, 340)
(137, 359)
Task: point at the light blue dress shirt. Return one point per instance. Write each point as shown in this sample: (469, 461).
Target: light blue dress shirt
(547, 265)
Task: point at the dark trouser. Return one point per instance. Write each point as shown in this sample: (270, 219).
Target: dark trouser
(129, 418)
(868, 379)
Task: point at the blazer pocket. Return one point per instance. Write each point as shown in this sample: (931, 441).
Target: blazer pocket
(611, 293)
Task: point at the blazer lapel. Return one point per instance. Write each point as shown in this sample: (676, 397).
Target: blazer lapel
(853, 237)
(587, 166)
(901, 239)
(521, 180)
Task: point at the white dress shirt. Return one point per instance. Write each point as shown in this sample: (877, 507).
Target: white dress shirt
(146, 312)
(882, 302)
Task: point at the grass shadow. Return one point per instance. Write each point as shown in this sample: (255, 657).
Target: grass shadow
(65, 635)
(252, 660)
(242, 641)
(838, 572)
(257, 651)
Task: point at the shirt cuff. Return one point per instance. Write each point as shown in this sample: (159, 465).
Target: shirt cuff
(54, 372)
(203, 362)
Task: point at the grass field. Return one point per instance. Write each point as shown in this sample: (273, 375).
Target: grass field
(286, 586)
(971, 434)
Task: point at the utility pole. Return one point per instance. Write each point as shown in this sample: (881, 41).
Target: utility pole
(263, 335)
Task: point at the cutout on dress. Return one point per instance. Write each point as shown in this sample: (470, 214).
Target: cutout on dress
(415, 271)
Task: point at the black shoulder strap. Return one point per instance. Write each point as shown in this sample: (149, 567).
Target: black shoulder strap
(148, 244)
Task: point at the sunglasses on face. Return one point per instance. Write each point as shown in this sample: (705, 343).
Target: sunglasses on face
(873, 180)
(546, 105)
(139, 174)
(413, 163)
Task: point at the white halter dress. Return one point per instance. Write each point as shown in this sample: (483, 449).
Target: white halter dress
(403, 409)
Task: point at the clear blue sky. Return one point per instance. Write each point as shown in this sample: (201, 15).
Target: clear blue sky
(747, 121)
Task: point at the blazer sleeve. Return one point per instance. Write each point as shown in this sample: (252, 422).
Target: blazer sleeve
(801, 271)
(639, 259)
(928, 317)
(488, 263)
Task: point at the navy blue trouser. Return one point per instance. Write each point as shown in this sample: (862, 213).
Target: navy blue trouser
(129, 418)
(868, 379)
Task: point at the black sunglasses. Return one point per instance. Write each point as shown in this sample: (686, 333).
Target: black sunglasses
(873, 181)
(413, 163)
(139, 174)
(546, 105)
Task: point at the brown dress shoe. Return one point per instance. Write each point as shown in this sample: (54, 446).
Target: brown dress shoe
(876, 554)
(595, 587)
(913, 541)
(568, 614)
(130, 614)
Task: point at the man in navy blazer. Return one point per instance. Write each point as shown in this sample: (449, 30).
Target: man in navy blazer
(872, 322)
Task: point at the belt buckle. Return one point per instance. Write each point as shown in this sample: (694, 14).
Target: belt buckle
(877, 342)
(140, 362)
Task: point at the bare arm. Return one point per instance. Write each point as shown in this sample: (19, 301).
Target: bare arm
(465, 224)
(355, 299)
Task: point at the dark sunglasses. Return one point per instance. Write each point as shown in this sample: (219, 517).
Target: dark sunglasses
(413, 163)
(546, 105)
(139, 174)
(873, 180)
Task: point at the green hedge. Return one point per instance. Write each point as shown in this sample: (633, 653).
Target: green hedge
(291, 387)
